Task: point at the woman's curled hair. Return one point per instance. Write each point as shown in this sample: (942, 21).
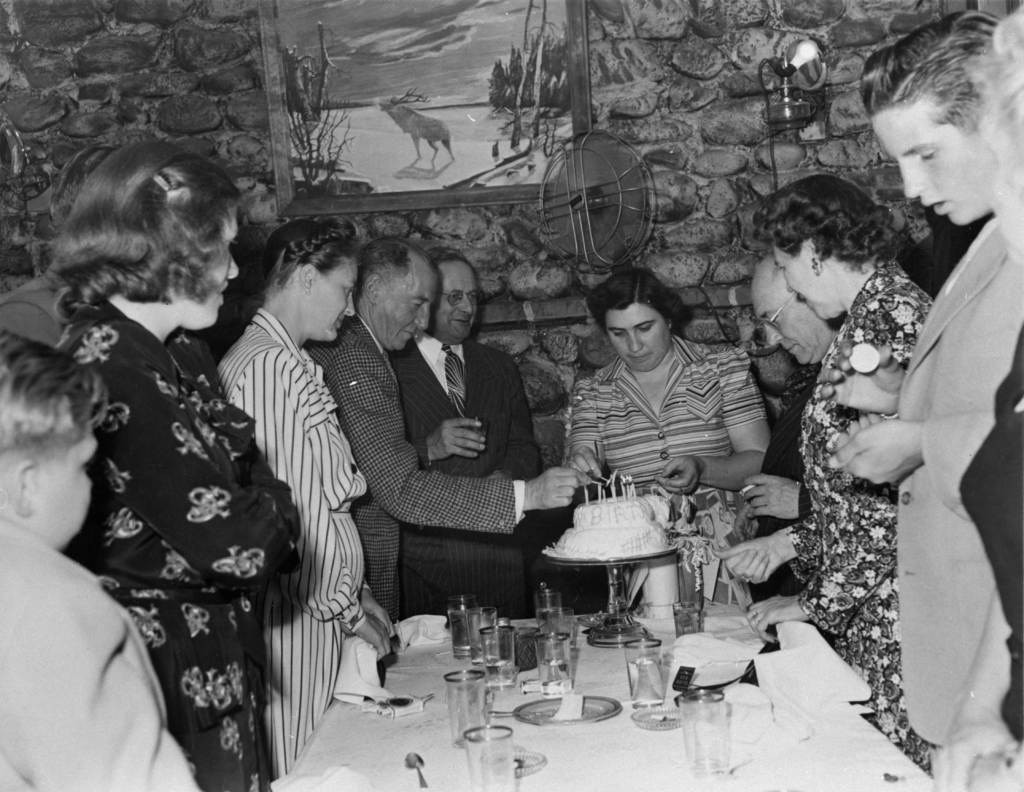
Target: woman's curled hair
(634, 285)
(325, 243)
(837, 217)
(147, 224)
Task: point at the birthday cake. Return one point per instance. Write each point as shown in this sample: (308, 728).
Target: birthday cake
(617, 526)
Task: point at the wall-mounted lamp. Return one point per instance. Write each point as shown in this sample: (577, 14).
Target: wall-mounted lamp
(801, 72)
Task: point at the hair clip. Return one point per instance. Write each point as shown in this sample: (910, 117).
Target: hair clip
(162, 182)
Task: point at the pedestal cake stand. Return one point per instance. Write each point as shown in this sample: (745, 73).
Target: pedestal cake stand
(618, 625)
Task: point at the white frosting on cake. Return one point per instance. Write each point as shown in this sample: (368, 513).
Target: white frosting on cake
(620, 528)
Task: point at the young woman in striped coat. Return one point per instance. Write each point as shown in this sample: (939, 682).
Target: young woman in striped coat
(310, 271)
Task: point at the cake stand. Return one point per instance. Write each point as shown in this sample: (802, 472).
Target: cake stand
(618, 625)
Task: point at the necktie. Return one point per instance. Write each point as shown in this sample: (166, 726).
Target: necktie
(455, 375)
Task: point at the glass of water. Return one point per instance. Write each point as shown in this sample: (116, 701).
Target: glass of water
(646, 675)
(478, 619)
(554, 668)
(458, 620)
(492, 766)
(499, 647)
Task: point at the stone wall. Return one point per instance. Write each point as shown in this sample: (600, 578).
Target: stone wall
(675, 78)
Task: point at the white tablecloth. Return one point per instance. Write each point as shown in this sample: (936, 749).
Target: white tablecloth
(844, 753)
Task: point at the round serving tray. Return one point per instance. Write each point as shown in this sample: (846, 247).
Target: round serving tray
(606, 561)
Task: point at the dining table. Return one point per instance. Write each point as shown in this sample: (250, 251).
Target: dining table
(839, 750)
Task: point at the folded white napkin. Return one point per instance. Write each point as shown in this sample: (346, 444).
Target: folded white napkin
(357, 677)
(424, 629)
(333, 779)
(806, 676)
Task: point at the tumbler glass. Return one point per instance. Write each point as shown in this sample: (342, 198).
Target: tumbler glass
(492, 766)
(466, 693)
(688, 618)
(544, 599)
(646, 672)
(705, 717)
(554, 664)
(458, 619)
(479, 618)
(499, 645)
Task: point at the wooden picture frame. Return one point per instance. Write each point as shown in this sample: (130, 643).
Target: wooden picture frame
(351, 123)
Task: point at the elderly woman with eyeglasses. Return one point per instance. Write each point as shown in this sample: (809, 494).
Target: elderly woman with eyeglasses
(835, 248)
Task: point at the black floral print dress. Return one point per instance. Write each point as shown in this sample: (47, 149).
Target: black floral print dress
(847, 547)
(186, 523)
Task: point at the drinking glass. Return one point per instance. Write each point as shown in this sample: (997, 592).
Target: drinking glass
(645, 671)
(705, 717)
(554, 666)
(688, 618)
(499, 644)
(466, 693)
(544, 599)
(458, 620)
(492, 766)
(479, 618)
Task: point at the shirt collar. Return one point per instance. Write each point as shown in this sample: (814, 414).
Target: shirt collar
(273, 327)
(368, 330)
(430, 347)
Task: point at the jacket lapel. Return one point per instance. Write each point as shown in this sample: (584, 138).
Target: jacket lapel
(974, 272)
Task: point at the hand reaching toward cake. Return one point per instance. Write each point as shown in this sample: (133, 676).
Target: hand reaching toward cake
(553, 488)
(682, 474)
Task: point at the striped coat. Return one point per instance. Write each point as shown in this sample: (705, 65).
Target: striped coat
(296, 428)
(364, 386)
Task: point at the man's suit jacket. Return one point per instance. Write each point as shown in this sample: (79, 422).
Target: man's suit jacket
(363, 384)
(437, 562)
(965, 350)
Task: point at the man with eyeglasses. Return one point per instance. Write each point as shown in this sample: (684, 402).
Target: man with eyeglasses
(466, 415)
(397, 287)
(777, 497)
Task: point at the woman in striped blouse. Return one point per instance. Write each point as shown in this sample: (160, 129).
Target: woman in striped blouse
(310, 272)
(668, 411)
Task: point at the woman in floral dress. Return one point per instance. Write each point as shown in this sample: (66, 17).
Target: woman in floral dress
(835, 247)
(310, 272)
(186, 518)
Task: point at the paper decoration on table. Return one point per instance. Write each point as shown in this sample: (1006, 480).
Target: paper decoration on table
(358, 678)
(333, 779)
(806, 677)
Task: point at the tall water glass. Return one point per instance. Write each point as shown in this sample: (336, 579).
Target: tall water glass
(646, 674)
(543, 600)
(466, 693)
(705, 717)
(492, 766)
(478, 619)
(500, 656)
(458, 620)
(554, 664)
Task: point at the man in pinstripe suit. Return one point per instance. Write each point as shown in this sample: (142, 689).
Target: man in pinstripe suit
(444, 430)
(397, 286)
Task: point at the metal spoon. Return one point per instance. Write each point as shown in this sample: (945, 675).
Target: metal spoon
(415, 762)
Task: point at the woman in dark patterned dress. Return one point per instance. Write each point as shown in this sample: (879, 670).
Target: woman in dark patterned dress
(186, 518)
(836, 249)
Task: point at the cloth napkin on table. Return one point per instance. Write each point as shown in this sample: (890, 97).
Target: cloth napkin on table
(715, 660)
(357, 677)
(754, 727)
(422, 630)
(333, 779)
(806, 677)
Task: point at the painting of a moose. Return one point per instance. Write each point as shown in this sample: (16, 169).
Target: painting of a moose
(417, 125)
(479, 88)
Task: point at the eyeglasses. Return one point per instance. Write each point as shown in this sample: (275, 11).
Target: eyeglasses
(760, 335)
(455, 297)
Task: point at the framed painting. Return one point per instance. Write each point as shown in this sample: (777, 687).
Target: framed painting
(406, 104)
